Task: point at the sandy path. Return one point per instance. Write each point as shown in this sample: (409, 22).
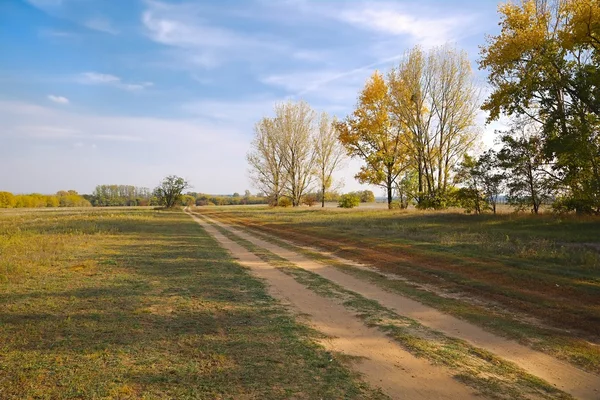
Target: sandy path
(564, 376)
(385, 364)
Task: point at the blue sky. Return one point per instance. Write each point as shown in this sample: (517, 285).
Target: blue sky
(128, 91)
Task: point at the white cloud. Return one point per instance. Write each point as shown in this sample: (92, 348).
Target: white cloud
(422, 28)
(198, 42)
(58, 99)
(95, 78)
(101, 24)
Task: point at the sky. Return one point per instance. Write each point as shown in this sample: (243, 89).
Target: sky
(129, 91)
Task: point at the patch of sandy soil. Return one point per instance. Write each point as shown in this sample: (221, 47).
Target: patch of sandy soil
(382, 362)
(564, 376)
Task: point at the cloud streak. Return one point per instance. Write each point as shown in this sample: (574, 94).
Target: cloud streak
(58, 99)
(95, 78)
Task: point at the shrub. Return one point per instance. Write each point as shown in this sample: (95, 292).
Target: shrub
(349, 200)
(310, 200)
(284, 202)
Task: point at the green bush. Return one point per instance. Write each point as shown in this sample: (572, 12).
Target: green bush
(349, 200)
(284, 202)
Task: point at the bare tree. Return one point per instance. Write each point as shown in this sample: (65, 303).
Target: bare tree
(265, 161)
(294, 124)
(329, 153)
(434, 96)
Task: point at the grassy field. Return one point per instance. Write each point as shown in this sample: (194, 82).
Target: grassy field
(533, 278)
(144, 304)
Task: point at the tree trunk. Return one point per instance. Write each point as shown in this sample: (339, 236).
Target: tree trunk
(389, 190)
(323, 195)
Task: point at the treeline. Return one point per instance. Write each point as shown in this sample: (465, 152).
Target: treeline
(122, 195)
(68, 198)
(200, 199)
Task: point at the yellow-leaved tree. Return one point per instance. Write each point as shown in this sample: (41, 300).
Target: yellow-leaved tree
(545, 64)
(371, 135)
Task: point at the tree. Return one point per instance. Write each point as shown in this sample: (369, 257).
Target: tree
(370, 134)
(294, 123)
(329, 154)
(492, 180)
(482, 182)
(265, 160)
(407, 188)
(170, 189)
(349, 200)
(545, 64)
(433, 95)
(7, 200)
(528, 178)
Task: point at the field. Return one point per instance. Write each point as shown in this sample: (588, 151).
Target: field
(531, 278)
(251, 302)
(144, 304)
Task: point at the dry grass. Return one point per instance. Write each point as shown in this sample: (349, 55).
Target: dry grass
(136, 304)
(533, 278)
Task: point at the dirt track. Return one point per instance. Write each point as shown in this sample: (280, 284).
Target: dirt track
(562, 375)
(383, 363)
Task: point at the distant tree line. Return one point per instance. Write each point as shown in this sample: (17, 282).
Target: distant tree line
(62, 198)
(122, 195)
(200, 199)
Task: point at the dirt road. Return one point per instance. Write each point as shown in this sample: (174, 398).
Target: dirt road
(564, 376)
(382, 362)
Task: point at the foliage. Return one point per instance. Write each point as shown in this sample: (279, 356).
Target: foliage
(545, 64)
(310, 199)
(371, 135)
(282, 155)
(121, 195)
(188, 200)
(170, 190)
(365, 196)
(7, 200)
(528, 178)
(35, 200)
(284, 202)
(349, 200)
(329, 154)
(265, 160)
(482, 182)
(407, 189)
(211, 200)
(434, 97)
(439, 200)
(420, 117)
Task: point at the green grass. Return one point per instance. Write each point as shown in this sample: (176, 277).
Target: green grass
(539, 285)
(144, 304)
(488, 374)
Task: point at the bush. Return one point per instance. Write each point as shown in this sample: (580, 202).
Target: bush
(440, 201)
(310, 200)
(284, 202)
(349, 200)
